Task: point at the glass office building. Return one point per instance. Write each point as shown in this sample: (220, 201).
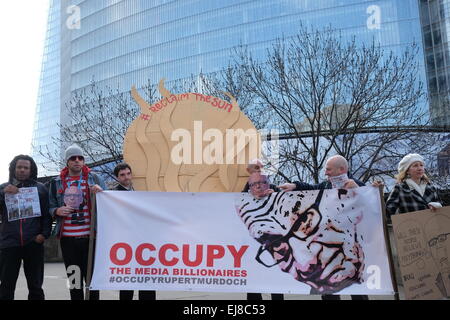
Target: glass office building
(120, 43)
(48, 108)
(435, 21)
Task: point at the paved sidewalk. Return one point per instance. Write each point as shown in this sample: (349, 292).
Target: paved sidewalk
(55, 288)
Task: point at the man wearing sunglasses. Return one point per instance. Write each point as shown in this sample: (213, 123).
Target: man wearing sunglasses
(73, 222)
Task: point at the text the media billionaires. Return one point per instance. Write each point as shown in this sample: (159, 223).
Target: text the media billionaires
(325, 242)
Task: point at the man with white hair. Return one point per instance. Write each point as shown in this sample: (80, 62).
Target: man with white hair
(336, 170)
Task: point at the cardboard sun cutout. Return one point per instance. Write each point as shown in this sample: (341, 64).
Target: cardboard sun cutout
(190, 143)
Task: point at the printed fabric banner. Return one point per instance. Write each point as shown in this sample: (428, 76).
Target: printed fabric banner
(309, 242)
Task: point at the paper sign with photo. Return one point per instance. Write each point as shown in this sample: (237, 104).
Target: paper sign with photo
(23, 205)
(338, 182)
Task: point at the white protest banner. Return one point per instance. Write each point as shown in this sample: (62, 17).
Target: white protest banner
(297, 242)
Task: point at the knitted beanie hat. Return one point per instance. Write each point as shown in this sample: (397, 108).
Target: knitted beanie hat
(408, 160)
(73, 150)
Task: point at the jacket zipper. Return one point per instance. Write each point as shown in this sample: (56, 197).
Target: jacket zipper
(21, 233)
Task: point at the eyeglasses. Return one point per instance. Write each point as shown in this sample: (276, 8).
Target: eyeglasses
(439, 238)
(265, 255)
(74, 158)
(258, 183)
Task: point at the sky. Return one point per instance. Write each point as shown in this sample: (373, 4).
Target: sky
(22, 30)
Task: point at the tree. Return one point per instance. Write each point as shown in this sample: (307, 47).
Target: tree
(324, 95)
(327, 96)
(96, 120)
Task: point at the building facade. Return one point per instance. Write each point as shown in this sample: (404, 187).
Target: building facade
(120, 43)
(435, 22)
(48, 107)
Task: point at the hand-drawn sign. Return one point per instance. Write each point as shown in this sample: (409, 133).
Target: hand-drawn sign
(423, 245)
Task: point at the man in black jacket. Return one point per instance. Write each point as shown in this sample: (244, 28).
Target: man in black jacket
(124, 178)
(22, 232)
(336, 170)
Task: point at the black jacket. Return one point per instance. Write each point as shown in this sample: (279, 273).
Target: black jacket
(403, 199)
(21, 232)
(300, 186)
(119, 187)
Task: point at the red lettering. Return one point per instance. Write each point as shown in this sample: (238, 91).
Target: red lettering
(214, 252)
(128, 254)
(162, 255)
(139, 270)
(172, 98)
(198, 256)
(237, 255)
(140, 250)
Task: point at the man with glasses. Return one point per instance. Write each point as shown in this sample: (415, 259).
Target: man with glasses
(70, 205)
(256, 166)
(259, 187)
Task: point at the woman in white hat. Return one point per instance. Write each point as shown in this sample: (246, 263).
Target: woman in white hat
(413, 191)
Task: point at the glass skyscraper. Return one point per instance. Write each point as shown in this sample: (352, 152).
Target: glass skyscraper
(48, 108)
(435, 20)
(120, 43)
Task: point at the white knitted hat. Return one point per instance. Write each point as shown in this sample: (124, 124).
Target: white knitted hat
(408, 160)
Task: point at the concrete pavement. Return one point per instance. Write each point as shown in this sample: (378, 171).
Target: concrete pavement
(55, 288)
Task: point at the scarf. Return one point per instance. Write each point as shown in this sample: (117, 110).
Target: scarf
(420, 188)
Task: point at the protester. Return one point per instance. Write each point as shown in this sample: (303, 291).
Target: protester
(254, 169)
(336, 170)
(22, 239)
(124, 177)
(70, 205)
(413, 191)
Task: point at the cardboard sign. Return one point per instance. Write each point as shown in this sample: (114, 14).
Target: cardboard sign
(190, 142)
(423, 245)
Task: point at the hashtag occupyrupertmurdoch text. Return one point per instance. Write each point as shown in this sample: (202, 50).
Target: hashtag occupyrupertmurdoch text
(111, 280)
